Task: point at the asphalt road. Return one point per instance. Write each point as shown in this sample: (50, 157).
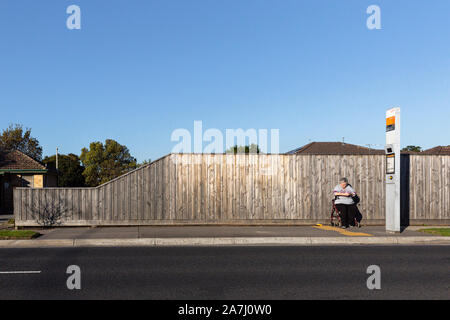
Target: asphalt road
(276, 272)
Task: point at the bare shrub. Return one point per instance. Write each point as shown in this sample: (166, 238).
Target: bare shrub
(49, 211)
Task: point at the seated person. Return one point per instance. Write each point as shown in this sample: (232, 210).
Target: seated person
(344, 202)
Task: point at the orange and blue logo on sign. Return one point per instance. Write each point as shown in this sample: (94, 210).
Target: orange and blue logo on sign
(390, 123)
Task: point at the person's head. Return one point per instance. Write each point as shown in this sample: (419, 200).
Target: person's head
(343, 182)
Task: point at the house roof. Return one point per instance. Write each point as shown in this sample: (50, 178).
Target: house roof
(15, 160)
(439, 150)
(334, 148)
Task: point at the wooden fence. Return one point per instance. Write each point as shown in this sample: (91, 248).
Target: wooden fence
(242, 189)
(426, 197)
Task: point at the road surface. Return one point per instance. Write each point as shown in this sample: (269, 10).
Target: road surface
(247, 272)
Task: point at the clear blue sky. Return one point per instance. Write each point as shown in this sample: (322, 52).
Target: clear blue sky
(137, 70)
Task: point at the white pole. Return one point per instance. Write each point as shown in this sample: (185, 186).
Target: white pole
(56, 158)
(393, 170)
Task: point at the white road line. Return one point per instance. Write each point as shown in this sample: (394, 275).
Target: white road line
(18, 272)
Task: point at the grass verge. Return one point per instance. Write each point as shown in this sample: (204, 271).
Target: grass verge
(18, 234)
(437, 231)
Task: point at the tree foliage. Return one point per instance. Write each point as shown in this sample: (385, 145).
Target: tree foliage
(253, 148)
(70, 170)
(104, 162)
(145, 162)
(412, 149)
(15, 137)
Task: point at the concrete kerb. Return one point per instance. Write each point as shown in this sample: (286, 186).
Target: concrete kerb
(226, 241)
(36, 243)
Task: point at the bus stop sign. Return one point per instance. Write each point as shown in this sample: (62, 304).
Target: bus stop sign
(392, 174)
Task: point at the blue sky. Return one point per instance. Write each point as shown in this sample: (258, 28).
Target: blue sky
(137, 70)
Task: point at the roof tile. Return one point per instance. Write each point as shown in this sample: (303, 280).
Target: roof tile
(439, 150)
(17, 160)
(335, 148)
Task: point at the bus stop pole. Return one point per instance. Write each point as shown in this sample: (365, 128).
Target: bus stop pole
(392, 177)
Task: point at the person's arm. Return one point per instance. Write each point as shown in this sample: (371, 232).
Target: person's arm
(342, 194)
(337, 193)
(352, 191)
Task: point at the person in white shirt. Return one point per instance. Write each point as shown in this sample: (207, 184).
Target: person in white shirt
(343, 193)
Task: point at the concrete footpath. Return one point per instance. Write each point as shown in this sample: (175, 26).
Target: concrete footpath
(224, 235)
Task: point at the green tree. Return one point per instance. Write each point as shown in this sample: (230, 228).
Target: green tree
(104, 162)
(70, 170)
(143, 163)
(412, 149)
(15, 137)
(253, 148)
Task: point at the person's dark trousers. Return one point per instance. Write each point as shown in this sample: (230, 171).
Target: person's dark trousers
(347, 213)
(352, 211)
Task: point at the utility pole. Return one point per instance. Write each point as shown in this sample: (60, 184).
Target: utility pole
(56, 159)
